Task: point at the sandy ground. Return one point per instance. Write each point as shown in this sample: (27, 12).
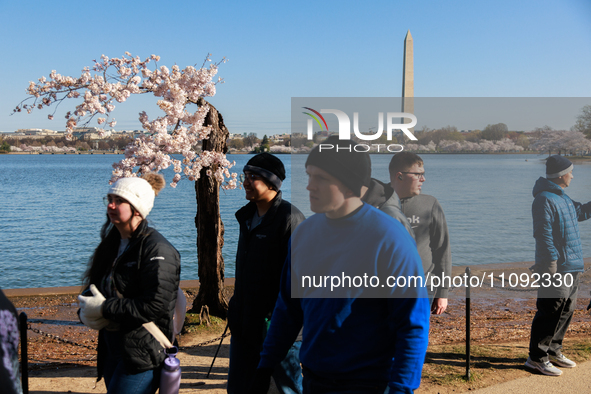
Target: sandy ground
(500, 322)
(195, 364)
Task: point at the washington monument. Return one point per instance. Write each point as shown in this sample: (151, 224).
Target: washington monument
(408, 76)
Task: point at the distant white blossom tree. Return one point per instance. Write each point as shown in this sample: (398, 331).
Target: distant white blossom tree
(503, 145)
(567, 141)
(584, 121)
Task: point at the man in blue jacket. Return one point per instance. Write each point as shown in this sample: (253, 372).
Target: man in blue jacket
(559, 262)
(361, 333)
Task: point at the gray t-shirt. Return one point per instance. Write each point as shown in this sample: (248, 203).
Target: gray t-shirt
(256, 220)
(427, 220)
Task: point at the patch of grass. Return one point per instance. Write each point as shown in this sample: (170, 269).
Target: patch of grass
(446, 375)
(579, 351)
(490, 363)
(474, 377)
(192, 325)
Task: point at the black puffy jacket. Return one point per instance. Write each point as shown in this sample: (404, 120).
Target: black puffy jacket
(147, 277)
(259, 261)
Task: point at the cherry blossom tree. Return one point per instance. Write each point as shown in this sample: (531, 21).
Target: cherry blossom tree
(584, 121)
(508, 145)
(450, 146)
(430, 147)
(471, 146)
(548, 140)
(567, 141)
(453, 146)
(583, 145)
(179, 130)
(573, 142)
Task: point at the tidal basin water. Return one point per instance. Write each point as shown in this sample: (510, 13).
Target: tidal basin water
(51, 210)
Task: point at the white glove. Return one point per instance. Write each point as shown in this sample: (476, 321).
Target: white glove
(95, 324)
(91, 309)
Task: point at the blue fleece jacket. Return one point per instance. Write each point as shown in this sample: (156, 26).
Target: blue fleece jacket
(354, 338)
(556, 227)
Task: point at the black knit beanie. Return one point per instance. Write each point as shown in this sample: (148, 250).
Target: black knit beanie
(557, 166)
(339, 159)
(269, 167)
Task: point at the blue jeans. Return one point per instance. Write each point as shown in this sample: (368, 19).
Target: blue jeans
(120, 382)
(288, 374)
(117, 380)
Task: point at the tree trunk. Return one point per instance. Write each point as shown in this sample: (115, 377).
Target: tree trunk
(210, 229)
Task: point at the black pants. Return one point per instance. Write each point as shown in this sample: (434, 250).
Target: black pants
(314, 384)
(552, 319)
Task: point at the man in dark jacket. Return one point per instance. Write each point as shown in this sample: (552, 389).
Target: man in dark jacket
(559, 262)
(266, 224)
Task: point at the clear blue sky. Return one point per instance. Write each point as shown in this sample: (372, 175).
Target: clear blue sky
(278, 50)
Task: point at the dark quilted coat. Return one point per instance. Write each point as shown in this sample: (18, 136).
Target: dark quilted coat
(147, 275)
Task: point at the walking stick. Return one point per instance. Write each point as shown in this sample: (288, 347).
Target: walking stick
(216, 352)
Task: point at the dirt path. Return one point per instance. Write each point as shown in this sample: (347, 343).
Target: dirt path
(195, 364)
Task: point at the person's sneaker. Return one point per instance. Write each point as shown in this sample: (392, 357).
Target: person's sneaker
(544, 367)
(562, 361)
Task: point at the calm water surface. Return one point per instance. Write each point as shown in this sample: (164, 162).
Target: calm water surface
(52, 210)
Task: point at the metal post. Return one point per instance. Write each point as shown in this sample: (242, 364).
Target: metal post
(218, 349)
(468, 276)
(24, 355)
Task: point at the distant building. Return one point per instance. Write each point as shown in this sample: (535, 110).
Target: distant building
(86, 129)
(280, 137)
(35, 132)
(83, 133)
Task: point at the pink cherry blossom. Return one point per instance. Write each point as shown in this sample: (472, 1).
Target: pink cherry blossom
(177, 131)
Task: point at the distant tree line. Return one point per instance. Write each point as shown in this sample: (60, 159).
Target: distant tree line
(251, 143)
(28, 143)
(493, 138)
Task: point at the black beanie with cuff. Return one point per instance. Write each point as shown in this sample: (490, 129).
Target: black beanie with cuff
(340, 159)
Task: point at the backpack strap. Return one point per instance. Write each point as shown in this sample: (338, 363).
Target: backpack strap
(158, 335)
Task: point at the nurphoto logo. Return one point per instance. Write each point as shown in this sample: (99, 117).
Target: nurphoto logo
(345, 128)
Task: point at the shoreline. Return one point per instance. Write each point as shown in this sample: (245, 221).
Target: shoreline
(70, 290)
(98, 152)
(482, 270)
